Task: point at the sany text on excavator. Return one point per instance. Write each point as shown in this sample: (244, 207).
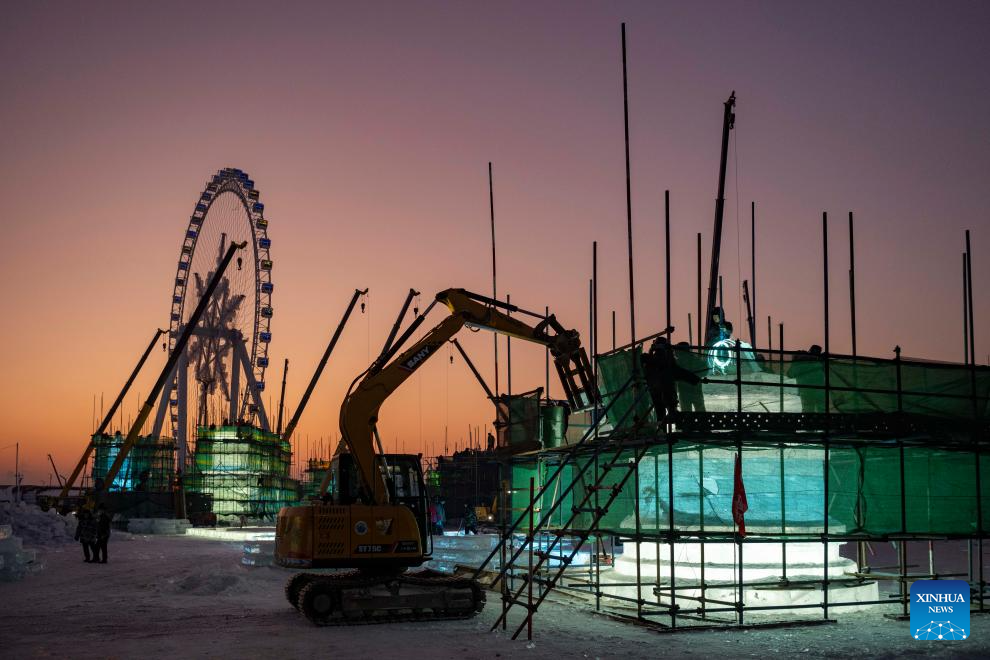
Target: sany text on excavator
(372, 513)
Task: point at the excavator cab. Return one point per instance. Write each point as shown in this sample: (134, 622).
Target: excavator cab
(404, 476)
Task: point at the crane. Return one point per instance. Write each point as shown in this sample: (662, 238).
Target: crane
(372, 513)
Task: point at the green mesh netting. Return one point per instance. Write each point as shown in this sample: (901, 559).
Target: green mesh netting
(795, 383)
(616, 369)
(554, 420)
(941, 390)
(939, 490)
(521, 414)
(785, 489)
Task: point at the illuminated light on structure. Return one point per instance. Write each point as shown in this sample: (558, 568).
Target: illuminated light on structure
(722, 355)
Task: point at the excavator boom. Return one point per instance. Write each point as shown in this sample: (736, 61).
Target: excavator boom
(359, 412)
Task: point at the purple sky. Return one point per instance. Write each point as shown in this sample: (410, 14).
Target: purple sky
(368, 128)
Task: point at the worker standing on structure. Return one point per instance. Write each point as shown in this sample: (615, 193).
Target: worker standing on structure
(692, 398)
(661, 372)
(470, 520)
(808, 371)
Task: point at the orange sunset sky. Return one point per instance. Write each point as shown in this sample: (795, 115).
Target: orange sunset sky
(368, 128)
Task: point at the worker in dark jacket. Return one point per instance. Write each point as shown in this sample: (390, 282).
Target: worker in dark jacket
(86, 533)
(470, 520)
(692, 398)
(807, 368)
(102, 534)
(661, 372)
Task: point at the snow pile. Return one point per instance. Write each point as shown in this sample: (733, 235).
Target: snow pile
(38, 528)
(15, 560)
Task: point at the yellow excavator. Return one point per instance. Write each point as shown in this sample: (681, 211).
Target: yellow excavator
(372, 513)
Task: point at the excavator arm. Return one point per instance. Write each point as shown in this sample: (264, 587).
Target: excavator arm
(359, 412)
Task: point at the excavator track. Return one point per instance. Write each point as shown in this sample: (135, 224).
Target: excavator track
(356, 598)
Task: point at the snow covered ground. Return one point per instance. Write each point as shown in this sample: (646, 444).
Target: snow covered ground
(186, 597)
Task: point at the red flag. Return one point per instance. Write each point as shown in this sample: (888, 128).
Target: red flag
(739, 503)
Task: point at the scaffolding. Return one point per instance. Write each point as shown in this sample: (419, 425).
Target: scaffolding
(147, 467)
(737, 508)
(245, 471)
(316, 470)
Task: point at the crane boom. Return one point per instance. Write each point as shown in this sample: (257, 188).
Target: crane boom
(322, 365)
(728, 123)
(173, 358)
(109, 416)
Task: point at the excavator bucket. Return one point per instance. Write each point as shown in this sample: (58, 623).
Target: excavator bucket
(578, 379)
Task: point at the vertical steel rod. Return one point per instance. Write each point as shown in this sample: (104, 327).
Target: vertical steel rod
(702, 321)
(666, 217)
(629, 240)
(613, 329)
(965, 261)
(972, 372)
(529, 586)
(491, 212)
(780, 346)
(825, 366)
(546, 359)
(752, 237)
(728, 122)
(852, 284)
(281, 398)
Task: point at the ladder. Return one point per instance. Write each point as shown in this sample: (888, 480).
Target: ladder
(592, 449)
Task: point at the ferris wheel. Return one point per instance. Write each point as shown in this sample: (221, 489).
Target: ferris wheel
(233, 336)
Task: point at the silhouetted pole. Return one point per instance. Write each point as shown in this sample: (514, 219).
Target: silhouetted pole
(546, 359)
(281, 398)
(852, 284)
(508, 354)
(969, 298)
(629, 241)
(752, 290)
(613, 329)
(769, 333)
(701, 320)
(965, 310)
(728, 122)
(780, 347)
(491, 211)
(666, 242)
(750, 317)
(825, 270)
(972, 376)
(594, 307)
(398, 321)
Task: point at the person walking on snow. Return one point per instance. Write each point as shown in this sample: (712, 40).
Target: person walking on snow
(102, 534)
(86, 533)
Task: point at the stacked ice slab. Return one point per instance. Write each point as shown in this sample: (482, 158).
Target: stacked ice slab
(451, 551)
(15, 560)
